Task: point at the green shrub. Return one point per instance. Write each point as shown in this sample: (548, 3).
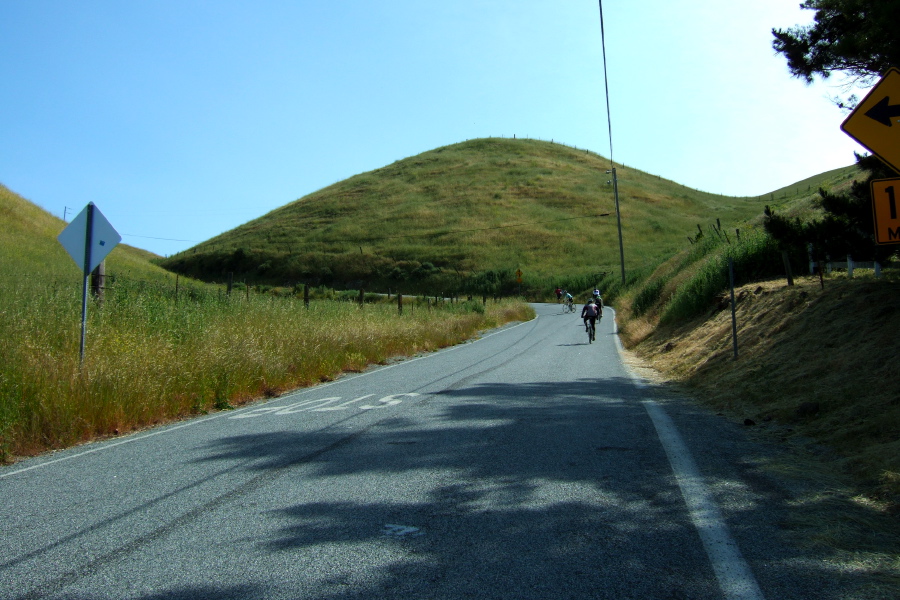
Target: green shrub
(648, 296)
(755, 257)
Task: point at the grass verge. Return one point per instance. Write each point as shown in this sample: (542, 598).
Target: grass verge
(151, 358)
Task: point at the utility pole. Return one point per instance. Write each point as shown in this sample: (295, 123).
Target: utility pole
(619, 223)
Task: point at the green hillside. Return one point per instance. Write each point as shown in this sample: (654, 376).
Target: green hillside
(471, 214)
(28, 247)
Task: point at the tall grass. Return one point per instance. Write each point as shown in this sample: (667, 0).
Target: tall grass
(755, 256)
(150, 358)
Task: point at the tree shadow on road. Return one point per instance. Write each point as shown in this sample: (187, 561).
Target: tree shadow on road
(524, 491)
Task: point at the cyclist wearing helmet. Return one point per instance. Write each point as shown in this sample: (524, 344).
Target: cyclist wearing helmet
(589, 314)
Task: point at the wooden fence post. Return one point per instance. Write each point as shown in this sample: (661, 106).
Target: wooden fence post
(399, 303)
(787, 267)
(849, 267)
(306, 295)
(733, 308)
(98, 281)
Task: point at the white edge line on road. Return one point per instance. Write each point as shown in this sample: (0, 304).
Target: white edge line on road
(195, 421)
(735, 578)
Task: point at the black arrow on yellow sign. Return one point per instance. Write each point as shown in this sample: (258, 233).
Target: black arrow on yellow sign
(884, 111)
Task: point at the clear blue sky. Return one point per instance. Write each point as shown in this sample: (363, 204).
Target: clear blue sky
(182, 119)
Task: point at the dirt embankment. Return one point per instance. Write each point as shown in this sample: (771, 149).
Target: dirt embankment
(813, 363)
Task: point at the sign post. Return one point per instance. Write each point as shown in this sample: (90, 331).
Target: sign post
(88, 239)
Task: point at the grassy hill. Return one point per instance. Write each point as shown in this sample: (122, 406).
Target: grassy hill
(155, 351)
(465, 217)
(28, 247)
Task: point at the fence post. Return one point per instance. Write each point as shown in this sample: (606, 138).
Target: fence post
(98, 281)
(734, 341)
(230, 282)
(399, 303)
(362, 296)
(849, 267)
(812, 264)
(306, 295)
(787, 267)
(877, 270)
(821, 275)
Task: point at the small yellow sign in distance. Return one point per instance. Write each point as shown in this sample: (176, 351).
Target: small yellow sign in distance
(875, 122)
(885, 197)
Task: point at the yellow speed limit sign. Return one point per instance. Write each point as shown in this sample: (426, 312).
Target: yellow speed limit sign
(885, 196)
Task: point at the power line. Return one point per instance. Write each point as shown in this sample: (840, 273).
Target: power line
(612, 166)
(147, 237)
(606, 85)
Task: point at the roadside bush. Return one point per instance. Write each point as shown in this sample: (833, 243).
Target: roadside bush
(755, 257)
(648, 296)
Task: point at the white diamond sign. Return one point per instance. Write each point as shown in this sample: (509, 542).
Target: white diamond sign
(89, 238)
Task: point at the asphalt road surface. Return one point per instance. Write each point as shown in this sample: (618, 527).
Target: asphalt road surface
(526, 464)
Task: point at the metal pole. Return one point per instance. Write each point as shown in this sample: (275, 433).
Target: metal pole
(86, 270)
(619, 222)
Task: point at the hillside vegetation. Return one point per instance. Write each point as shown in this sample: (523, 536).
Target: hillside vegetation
(157, 351)
(30, 249)
(465, 217)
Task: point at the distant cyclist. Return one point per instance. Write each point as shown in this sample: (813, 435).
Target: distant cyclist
(599, 302)
(589, 314)
(568, 299)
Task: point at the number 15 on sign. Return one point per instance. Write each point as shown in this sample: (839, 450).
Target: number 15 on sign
(885, 196)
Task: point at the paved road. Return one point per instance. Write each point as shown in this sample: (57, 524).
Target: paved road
(527, 464)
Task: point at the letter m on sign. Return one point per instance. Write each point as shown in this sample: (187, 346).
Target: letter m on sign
(894, 234)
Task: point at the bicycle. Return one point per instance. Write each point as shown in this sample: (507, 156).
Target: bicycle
(591, 331)
(568, 306)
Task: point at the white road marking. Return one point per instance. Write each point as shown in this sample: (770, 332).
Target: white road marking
(341, 406)
(388, 401)
(305, 405)
(735, 578)
(401, 530)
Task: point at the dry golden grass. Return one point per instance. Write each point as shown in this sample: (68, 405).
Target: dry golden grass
(816, 361)
(150, 359)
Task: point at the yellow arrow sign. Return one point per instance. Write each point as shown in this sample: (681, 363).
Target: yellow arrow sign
(875, 122)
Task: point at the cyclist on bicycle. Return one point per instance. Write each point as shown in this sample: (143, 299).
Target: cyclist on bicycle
(589, 314)
(568, 300)
(599, 302)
